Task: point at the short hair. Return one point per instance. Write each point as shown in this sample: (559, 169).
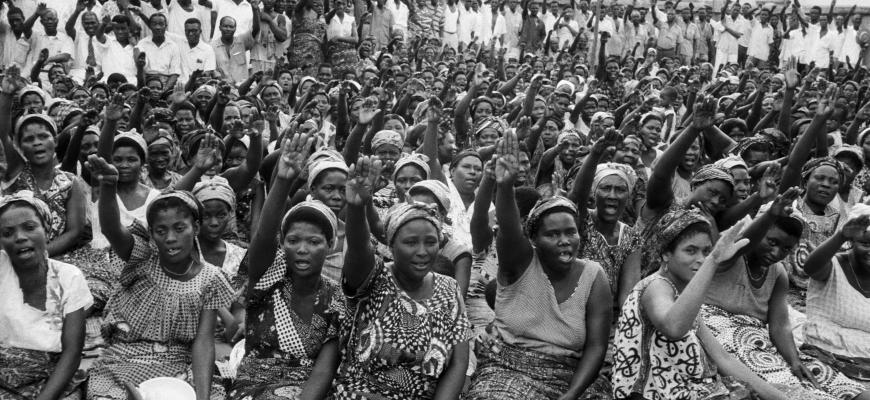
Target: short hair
(225, 17)
(157, 15)
(789, 225)
(121, 19)
(193, 21)
(15, 10)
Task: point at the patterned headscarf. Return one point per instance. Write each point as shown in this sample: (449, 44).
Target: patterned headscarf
(312, 208)
(498, 123)
(403, 213)
(624, 172)
(730, 162)
(217, 188)
(817, 162)
(159, 114)
(671, 225)
(567, 134)
(27, 197)
(323, 166)
(543, 207)
(711, 172)
(190, 144)
(186, 197)
(211, 90)
(387, 136)
(437, 189)
(419, 160)
(35, 117)
(462, 155)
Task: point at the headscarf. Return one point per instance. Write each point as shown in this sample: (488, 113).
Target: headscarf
(190, 144)
(26, 119)
(323, 166)
(159, 114)
(565, 135)
(419, 160)
(387, 136)
(64, 111)
(543, 207)
(31, 89)
(464, 154)
(746, 143)
(217, 188)
(671, 225)
(437, 189)
(186, 197)
(729, 162)
(316, 209)
(274, 85)
(211, 90)
(624, 172)
(711, 172)
(26, 196)
(852, 150)
(498, 123)
(600, 116)
(817, 162)
(403, 213)
(136, 139)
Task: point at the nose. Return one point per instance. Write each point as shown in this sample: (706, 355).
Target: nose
(171, 237)
(20, 236)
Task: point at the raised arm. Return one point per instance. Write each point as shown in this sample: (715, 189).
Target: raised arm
(801, 152)
(359, 259)
(818, 265)
(294, 153)
(241, 176)
(511, 242)
(70, 26)
(582, 187)
(114, 112)
(791, 81)
(119, 237)
(430, 140)
(11, 85)
(481, 232)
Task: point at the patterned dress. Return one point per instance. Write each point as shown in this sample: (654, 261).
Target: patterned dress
(306, 45)
(280, 346)
(151, 322)
(817, 229)
(394, 346)
(611, 257)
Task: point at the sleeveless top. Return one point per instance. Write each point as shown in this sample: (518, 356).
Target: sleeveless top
(837, 315)
(732, 290)
(527, 313)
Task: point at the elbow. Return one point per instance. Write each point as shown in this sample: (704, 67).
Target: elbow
(674, 331)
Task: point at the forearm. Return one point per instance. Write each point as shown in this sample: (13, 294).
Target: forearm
(659, 193)
(819, 261)
(354, 143)
(462, 273)
(685, 309)
(587, 370)
(583, 182)
(107, 139)
(481, 234)
(738, 211)
(216, 117)
(64, 370)
(451, 380)
(799, 154)
(358, 260)
(203, 365)
(785, 114)
(70, 157)
(852, 133)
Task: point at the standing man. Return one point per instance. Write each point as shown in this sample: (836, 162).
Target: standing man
(117, 51)
(670, 33)
(240, 10)
(760, 39)
(743, 25)
(195, 53)
(691, 36)
(15, 40)
(86, 54)
(60, 46)
(726, 47)
(162, 56)
(229, 49)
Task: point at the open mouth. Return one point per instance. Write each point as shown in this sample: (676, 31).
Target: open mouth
(302, 265)
(173, 252)
(25, 252)
(420, 266)
(566, 256)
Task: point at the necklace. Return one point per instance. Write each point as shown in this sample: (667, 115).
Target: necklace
(168, 272)
(753, 277)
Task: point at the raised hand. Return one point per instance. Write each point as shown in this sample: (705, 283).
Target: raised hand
(361, 180)
(508, 150)
(782, 205)
(271, 114)
(433, 111)
(729, 243)
(704, 112)
(828, 102)
(12, 82)
(369, 110)
(223, 93)
(855, 227)
(43, 56)
(768, 186)
(611, 138)
(294, 154)
(140, 59)
(115, 107)
(791, 75)
(105, 173)
(207, 155)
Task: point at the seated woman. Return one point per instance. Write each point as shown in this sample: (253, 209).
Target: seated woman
(42, 306)
(664, 349)
(837, 330)
(161, 321)
(546, 346)
(408, 335)
(747, 312)
(293, 313)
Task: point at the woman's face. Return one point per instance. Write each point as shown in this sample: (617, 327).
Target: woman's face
(447, 148)
(236, 156)
(215, 217)
(550, 134)
(395, 125)
(100, 96)
(405, 178)
(286, 81)
(460, 80)
(22, 236)
(330, 189)
(822, 185)
(651, 132)
(611, 197)
(767, 104)
(173, 231)
(89, 146)
(713, 195)
(355, 108)
(322, 104)
(736, 133)
(467, 174)
(388, 154)
(32, 104)
(539, 109)
(628, 153)
(184, 121)
(37, 144)
(487, 137)
(271, 96)
(742, 182)
(159, 157)
(557, 240)
(688, 255)
(482, 111)
(690, 159)
(849, 91)
(202, 99)
(305, 248)
(571, 151)
(415, 249)
(128, 163)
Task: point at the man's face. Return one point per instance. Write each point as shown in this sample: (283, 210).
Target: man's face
(746, 9)
(192, 32)
(158, 26)
(227, 27)
(534, 7)
(764, 16)
(16, 21)
(324, 74)
(814, 15)
(122, 31)
(49, 22)
(90, 23)
(702, 14)
(671, 15)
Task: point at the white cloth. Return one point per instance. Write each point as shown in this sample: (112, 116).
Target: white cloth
(26, 327)
(14, 49)
(837, 315)
(99, 241)
(57, 44)
(760, 39)
(117, 59)
(821, 51)
(80, 57)
(164, 59)
(340, 27)
(200, 57)
(177, 16)
(850, 47)
(241, 12)
(467, 24)
(400, 15)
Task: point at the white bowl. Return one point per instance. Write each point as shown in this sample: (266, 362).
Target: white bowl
(165, 388)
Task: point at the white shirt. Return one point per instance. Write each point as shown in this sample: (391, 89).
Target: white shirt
(792, 46)
(241, 12)
(824, 45)
(743, 26)
(177, 16)
(484, 23)
(200, 57)
(57, 44)
(565, 35)
(467, 24)
(400, 15)
(80, 56)
(760, 39)
(164, 59)
(117, 59)
(14, 49)
(850, 47)
(727, 42)
(513, 22)
(549, 21)
(340, 27)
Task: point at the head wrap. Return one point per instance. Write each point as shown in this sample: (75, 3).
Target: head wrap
(462, 155)
(624, 172)
(752, 141)
(186, 197)
(159, 114)
(190, 144)
(543, 207)
(632, 138)
(671, 225)
(323, 166)
(209, 89)
(403, 213)
(498, 123)
(33, 90)
(729, 162)
(729, 124)
(817, 162)
(312, 208)
(416, 159)
(26, 119)
(711, 172)
(565, 135)
(437, 188)
(274, 85)
(217, 188)
(565, 87)
(387, 136)
(26, 196)
(164, 137)
(136, 139)
(600, 116)
(852, 150)
(63, 111)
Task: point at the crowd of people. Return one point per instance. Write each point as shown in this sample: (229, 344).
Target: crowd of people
(391, 200)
